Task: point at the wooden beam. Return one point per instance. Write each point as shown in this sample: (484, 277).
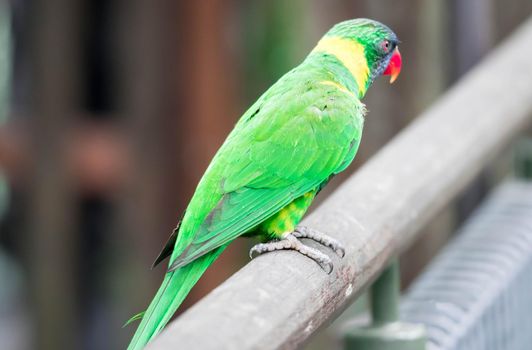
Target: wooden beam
(280, 299)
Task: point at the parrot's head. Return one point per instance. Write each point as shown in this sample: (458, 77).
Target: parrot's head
(366, 48)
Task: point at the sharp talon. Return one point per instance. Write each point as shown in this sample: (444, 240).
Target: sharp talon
(253, 249)
(327, 267)
(340, 251)
(325, 263)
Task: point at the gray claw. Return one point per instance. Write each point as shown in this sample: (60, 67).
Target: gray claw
(317, 236)
(268, 247)
(327, 266)
(291, 242)
(340, 251)
(251, 251)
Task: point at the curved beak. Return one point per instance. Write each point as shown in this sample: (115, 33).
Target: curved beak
(394, 67)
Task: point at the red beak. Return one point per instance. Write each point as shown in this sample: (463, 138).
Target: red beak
(394, 67)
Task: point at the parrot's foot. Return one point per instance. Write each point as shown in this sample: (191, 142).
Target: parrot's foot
(321, 238)
(291, 242)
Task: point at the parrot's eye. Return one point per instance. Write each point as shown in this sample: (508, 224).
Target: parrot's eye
(386, 45)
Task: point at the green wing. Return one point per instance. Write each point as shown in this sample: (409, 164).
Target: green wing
(293, 139)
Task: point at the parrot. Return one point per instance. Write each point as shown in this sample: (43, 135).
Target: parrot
(286, 147)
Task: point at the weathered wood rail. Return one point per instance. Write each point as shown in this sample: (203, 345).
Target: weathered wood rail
(280, 299)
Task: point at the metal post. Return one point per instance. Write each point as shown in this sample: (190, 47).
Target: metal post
(386, 332)
(523, 159)
(384, 296)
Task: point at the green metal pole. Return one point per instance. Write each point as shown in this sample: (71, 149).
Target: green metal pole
(384, 296)
(523, 159)
(386, 332)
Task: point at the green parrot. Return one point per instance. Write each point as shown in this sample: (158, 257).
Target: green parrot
(284, 149)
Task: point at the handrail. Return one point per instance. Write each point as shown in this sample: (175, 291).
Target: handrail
(280, 299)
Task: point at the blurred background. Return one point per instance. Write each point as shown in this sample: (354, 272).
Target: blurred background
(110, 111)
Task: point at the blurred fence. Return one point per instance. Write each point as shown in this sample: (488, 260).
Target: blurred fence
(281, 299)
(476, 294)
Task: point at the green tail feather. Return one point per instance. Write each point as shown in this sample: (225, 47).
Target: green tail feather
(175, 287)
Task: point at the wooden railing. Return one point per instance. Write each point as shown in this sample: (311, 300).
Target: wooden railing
(280, 299)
